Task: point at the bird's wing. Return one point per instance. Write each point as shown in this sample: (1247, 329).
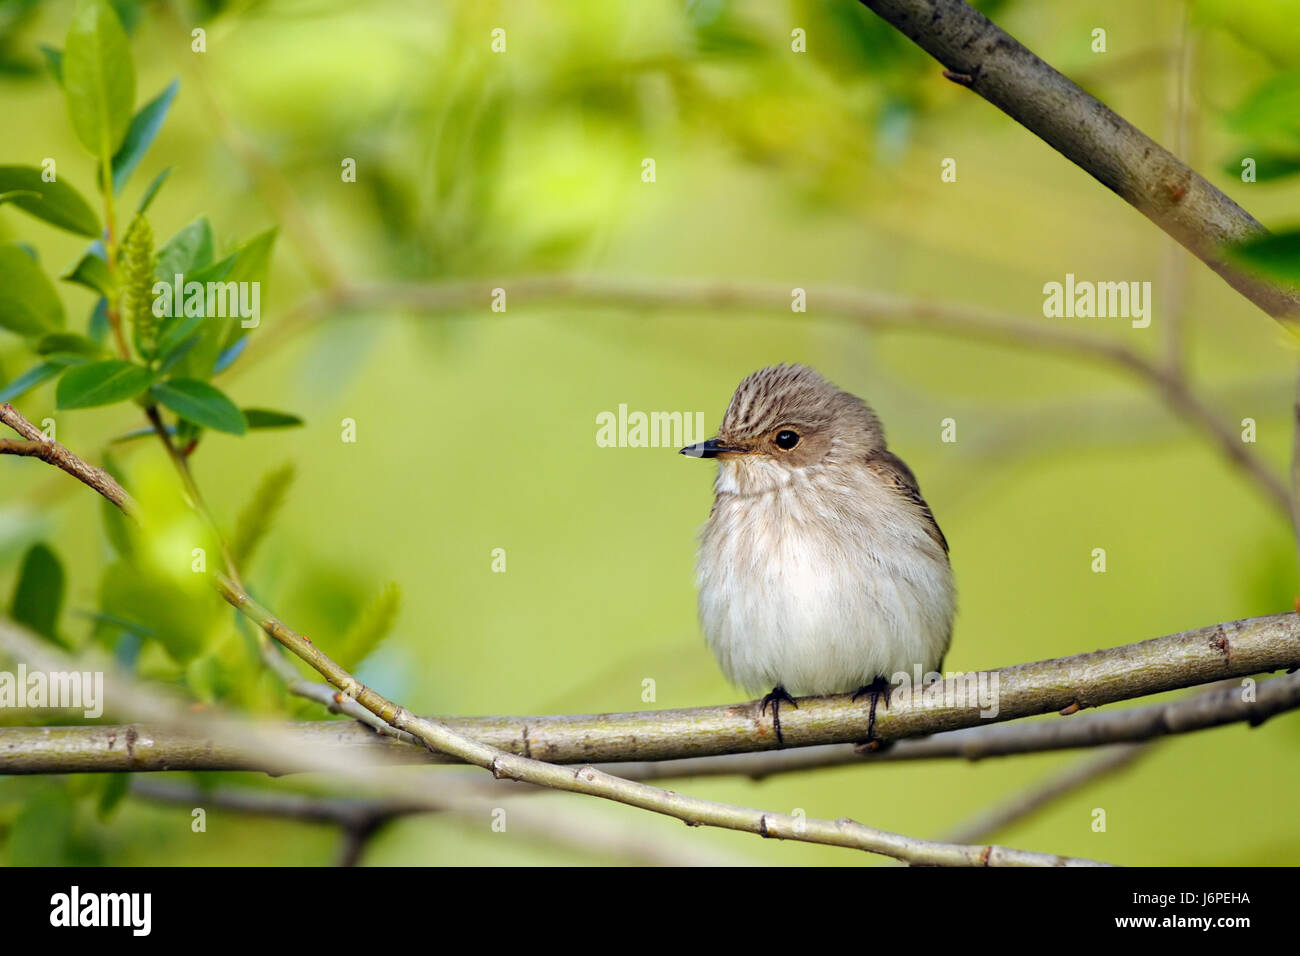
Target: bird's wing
(894, 471)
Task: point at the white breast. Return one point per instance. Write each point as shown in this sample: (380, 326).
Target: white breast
(819, 587)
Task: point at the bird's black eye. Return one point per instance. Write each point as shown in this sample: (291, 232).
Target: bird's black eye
(787, 439)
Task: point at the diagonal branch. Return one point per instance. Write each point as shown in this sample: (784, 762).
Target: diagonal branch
(1025, 804)
(989, 61)
(51, 452)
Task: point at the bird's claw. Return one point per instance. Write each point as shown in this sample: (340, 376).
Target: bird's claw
(776, 698)
(879, 690)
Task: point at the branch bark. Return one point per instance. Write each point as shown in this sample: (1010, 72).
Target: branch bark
(710, 741)
(1094, 137)
(52, 453)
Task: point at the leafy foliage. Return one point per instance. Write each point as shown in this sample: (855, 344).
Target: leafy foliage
(28, 303)
(371, 626)
(55, 202)
(1276, 255)
(257, 516)
(98, 77)
(38, 597)
(169, 342)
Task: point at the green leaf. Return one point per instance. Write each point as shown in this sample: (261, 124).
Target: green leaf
(177, 617)
(248, 263)
(98, 77)
(53, 60)
(15, 194)
(1268, 116)
(57, 202)
(186, 252)
(115, 787)
(97, 326)
(30, 379)
(175, 355)
(68, 342)
(175, 331)
(92, 271)
(266, 418)
(204, 676)
(28, 303)
(43, 829)
(252, 265)
(38, 596)
(255, 519)
(1276, 254)
(102, 383)
(152, 190)
(141, 134)
(370, 627)
(200, 403)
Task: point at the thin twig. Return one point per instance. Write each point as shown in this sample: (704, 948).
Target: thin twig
(1025, 804)
(51, 452)
(260, 742)
(362, 817)
(587, 779)
(866, 308)
(333, 700)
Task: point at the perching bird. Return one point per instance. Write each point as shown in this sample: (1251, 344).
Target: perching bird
(821, 568)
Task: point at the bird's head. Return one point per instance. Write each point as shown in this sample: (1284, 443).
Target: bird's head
(785, 418)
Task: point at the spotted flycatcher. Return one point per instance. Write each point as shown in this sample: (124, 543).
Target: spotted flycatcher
(821, 568)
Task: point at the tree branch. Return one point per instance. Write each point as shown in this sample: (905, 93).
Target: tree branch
(704, 741)
(1035, 798)
(51, 452)
(865, 308)
(270, 744)
(1089, 134)
(361, 817)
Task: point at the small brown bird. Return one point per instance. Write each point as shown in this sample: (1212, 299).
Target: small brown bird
(821, 568)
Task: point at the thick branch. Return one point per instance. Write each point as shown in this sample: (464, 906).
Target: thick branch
(673, 743)
(1094, 137)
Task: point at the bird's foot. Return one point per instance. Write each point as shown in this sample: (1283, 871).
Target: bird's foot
(879, 690)
(778, 696)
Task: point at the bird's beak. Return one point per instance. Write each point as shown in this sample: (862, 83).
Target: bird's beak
(710, 449)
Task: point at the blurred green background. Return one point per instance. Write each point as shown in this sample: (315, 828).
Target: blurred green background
(476, 430)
